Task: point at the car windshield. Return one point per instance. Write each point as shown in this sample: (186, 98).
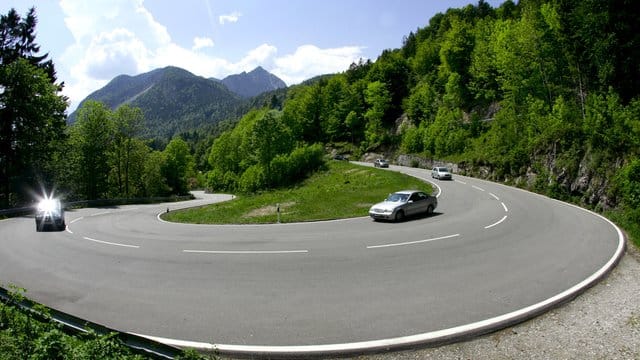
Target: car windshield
(443, 169)
(398, 197)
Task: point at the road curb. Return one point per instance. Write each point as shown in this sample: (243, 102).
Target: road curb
(430, 339)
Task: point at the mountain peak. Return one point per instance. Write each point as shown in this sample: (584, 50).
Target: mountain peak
(253, 83)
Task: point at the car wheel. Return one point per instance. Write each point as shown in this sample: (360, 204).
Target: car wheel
(430, 210)
(38, 226)
(400, 215)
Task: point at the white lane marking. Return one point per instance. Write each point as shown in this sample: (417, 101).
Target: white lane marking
(78, 219)
(505, 207)
(101, 213)
(494, 196)
(244, 252)
(412, 242)
(477, 188)
(460, 182)
(436, 185)
(68, 230)
(496, 223)
(111, 243)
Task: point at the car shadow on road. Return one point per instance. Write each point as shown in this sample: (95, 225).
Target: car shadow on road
(410, 218)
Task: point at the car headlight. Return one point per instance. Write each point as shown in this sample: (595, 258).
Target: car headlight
(47, 205)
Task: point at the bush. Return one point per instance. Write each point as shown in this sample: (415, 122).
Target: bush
(253, 179)
(291, 168)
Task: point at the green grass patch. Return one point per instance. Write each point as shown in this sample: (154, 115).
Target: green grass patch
(342, 190)
(627, 221)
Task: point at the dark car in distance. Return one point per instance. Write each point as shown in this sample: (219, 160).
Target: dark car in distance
(50, 213)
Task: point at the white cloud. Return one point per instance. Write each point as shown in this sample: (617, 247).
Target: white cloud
(229, 18)
(201, 43)
(122, 37)
(309, 61)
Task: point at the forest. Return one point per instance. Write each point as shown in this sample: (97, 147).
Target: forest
(537, 94)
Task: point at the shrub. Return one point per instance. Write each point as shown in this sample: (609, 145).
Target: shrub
(252, 179)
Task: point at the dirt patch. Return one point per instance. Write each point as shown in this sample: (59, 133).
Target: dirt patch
(268, 210)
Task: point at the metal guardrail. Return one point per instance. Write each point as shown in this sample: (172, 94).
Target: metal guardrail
(73, 324)
(96, 203)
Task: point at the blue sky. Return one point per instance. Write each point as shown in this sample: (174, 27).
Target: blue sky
(91, 42)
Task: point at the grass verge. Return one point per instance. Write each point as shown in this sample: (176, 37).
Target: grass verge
(343, 190)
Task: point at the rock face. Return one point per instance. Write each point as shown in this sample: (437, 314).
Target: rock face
(582, 183)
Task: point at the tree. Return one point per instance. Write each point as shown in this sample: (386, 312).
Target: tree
(90, 143)
(178, 166)
(32, 113)
(128, 124)
(379, 100)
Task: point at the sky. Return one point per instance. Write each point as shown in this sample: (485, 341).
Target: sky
(91, 42)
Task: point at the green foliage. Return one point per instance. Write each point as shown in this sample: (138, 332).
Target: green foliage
(260, 153)
(627, 183)
(178, 166)
(341, 190)
(90, 142)
(32, 111)
(22, 336)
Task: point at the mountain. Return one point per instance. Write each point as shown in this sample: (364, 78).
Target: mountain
(253, 83)
(174, 100)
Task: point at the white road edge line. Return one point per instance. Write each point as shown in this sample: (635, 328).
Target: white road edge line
(494, 196)
(111, 243)
(477, 187)
(505, 207)
(496, 223)
(422, 338)
(412, 242)
(241, 252)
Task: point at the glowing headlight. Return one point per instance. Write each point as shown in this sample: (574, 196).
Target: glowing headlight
(47, 205)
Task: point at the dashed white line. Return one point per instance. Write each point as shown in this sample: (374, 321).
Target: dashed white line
(477, 187)
(111, 243)
(460, 182)
(246, 252)
(78, 219)
(505, 207)
(494, 196)
(412, 242)
(496, 223)
(101, 213)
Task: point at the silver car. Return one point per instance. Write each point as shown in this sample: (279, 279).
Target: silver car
(441, 173)
(402, 204)
(381, 163)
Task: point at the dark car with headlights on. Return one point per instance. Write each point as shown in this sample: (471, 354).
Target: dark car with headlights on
(50, 213)
(401, 204)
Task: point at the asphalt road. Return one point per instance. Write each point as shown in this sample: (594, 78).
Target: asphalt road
(488, 252)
